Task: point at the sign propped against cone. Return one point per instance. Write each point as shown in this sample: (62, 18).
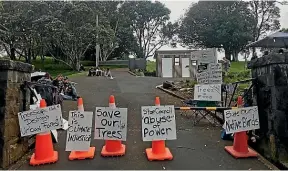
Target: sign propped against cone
(158, 132)
(111, 125)
(246, 119)
(44, 150)
(80, 149)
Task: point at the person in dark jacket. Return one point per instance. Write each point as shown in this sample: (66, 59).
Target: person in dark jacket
(70, 92)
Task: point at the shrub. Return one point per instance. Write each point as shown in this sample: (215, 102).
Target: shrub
(150, 73)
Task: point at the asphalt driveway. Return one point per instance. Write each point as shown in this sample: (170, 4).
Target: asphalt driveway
(196, 147)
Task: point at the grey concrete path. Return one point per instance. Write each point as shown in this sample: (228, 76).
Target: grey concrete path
(196, 147)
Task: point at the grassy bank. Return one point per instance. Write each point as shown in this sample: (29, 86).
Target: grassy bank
(55, 68)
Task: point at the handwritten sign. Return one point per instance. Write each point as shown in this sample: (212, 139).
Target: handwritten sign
(40, 120)
(203, 77)
(211, 75)
(241, 119)
(215, 73)
(207, 92)
(158, 123)
(110, 124)
(79, 131)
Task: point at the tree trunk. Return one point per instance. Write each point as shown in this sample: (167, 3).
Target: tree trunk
(227, 54)
(253, 50)
(76, 64)
(42, 54)
(12, 52)
(29, 55)
(34, 56)
(235, 56)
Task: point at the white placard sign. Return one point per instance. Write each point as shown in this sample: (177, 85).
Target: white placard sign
(40, 120)
(110, 124)
(215, 76)
(195, 55)
(158, 123)
(207, 57)
(241, 119)
(79, 131)
(207, 92)
(203, 77)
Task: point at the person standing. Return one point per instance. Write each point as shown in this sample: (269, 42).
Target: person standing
(226, 64)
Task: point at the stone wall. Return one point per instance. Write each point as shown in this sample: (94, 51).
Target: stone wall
(12, 76)
(137, 63)
(271, 92)
(114, 62)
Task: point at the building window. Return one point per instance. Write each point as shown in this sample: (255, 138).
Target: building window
(177, 61)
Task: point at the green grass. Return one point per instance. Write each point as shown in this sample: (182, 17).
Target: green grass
(236, 73)
(55, 68)
(151, 66)
(52, 67)
(237, 66)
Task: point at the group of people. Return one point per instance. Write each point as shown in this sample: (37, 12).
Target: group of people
(99, 72)
(66, 88)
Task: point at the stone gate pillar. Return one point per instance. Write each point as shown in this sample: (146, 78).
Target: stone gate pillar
(12, 101)
(271, 95)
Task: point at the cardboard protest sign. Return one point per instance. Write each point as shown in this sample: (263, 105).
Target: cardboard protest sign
(207, 92)
(241, 119)
(202, 77)
(158, 123)
(207, 57)
(215, 73)
(37, 105)
(211, 75)
(40, 120)
(79, 131)
(110, 124)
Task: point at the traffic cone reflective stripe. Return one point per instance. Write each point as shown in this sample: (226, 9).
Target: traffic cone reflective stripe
(113, 147)
(158, 151)
(240, 147)
(44, 151)
(81, 155)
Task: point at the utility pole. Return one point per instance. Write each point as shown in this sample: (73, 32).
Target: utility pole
(97, 47)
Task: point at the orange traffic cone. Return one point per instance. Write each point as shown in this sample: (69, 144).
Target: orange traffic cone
(240, 101)
(44, 151)
(113, 147)
(81, 155)
(240, 147)
(158, 151)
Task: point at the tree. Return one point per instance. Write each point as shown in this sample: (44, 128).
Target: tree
(285, 30)
(10, 26)
(115, 35)
(217, 24)
(17, 30)
(71, 29)
(266, 17)
(149, 23)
